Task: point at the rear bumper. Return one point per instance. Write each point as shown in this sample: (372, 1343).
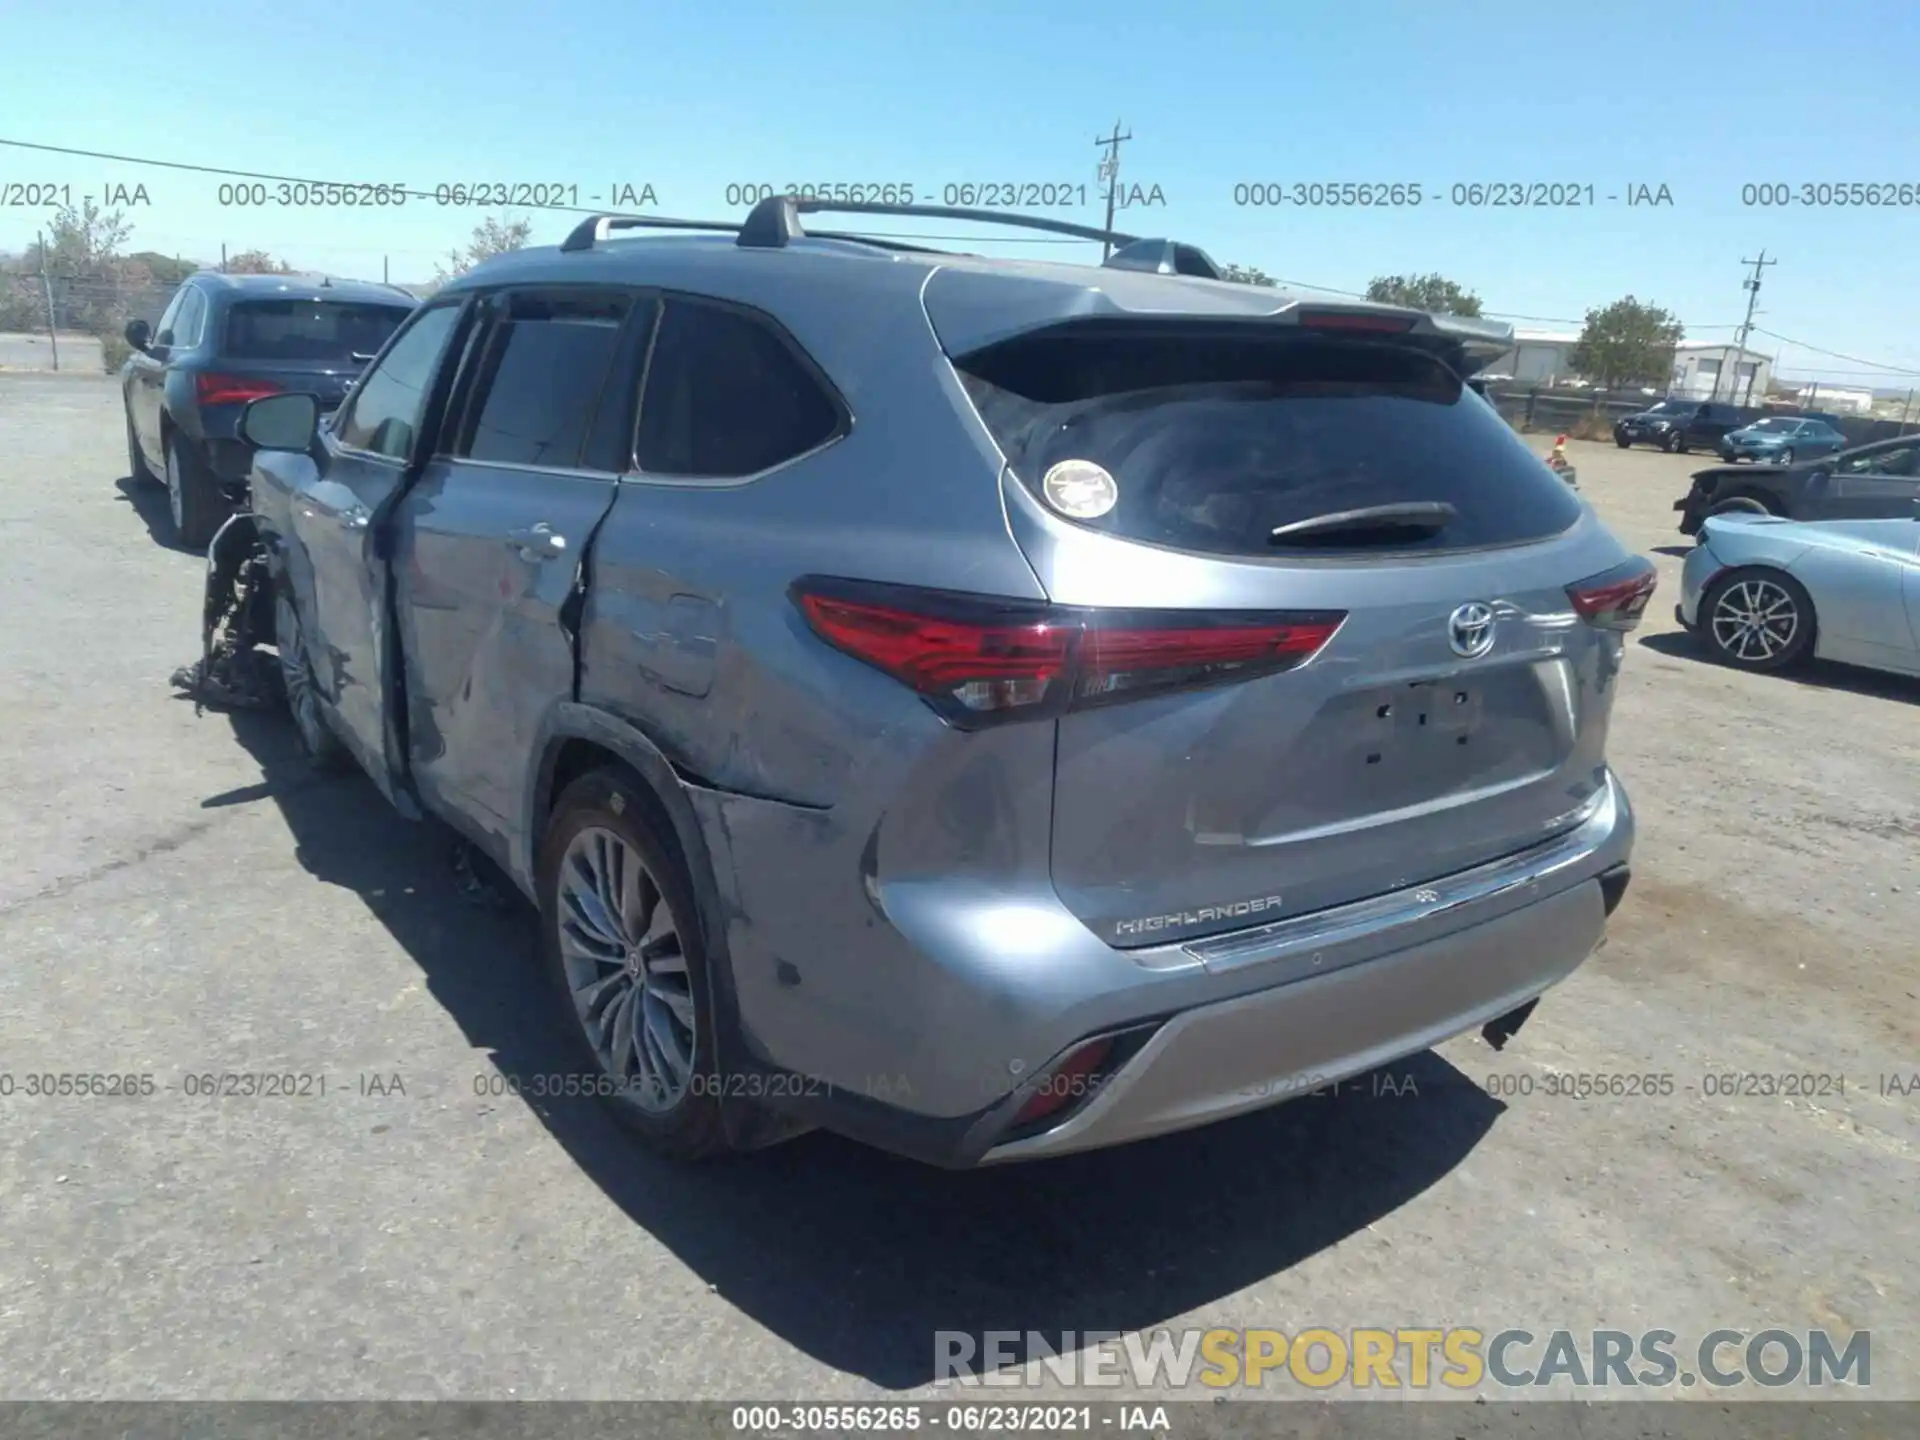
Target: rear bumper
(1244, 1054)
(925, 1022)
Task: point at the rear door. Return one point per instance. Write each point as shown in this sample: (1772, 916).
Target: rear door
(1458, 713)
(148, 379)
(489, 540)
(336, 562)
(1881, 483)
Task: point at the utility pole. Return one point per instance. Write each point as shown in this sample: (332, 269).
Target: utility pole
(1752, 286)
(385, 279)
(1904, 409)
(46, 284)
(223, 257)
(1110, 172)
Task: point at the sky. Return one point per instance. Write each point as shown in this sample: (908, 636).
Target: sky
(1705, 100)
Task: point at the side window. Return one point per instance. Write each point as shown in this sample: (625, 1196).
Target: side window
(538, 375)
(171, 314)
(386, 408)
(727, 396)
(1895, 461)
(191, 320)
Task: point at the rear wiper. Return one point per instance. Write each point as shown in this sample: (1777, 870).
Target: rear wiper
(1411, 519)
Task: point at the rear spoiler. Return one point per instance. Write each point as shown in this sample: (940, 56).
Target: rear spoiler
(1468, 345)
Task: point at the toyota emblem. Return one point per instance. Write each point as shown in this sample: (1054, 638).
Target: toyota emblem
(1470, 630)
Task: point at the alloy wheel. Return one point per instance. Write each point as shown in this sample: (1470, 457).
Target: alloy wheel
(176, 505)
(1755, 621)
(621, 949)
(296, 676)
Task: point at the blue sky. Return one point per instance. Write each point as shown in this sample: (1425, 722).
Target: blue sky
(690, 97)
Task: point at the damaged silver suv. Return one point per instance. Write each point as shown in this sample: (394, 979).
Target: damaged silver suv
(988, 709)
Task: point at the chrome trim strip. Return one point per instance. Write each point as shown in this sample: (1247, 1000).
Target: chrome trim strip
(1432, 907)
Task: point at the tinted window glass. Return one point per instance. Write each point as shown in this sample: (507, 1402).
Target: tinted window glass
(169, 315)
(726, 397)
(1215, 442)
(386, 409)
(189, 322)
(324, 331)
(539, 378)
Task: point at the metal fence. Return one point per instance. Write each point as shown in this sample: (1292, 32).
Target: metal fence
(53, 312)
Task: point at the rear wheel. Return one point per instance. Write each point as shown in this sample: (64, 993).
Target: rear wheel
(1758, 619)
(137, 466)
(317, 740)
(621, 942)
(193, 499)
(1741, 505)
(1623, 444)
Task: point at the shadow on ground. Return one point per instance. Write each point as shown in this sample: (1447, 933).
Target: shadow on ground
(1824, 674)
(149, 502)
(856, 1258)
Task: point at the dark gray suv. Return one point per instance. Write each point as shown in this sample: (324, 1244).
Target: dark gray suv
(228, 339)
(989, 709)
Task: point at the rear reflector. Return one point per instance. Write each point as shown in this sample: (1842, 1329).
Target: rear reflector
(1361, 320)
(1618, 598)
(230, 389)
(1075, 1078)
(979, 661)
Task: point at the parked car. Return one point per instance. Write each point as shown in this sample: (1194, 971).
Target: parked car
(1765, 593)
(1677, 425)
(225, 340)
(1781, 440)
(989, 709)
(1864, 483)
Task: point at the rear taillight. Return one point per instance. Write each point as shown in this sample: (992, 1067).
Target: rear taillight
(979, 661)
(1618, 598)
(230, 389)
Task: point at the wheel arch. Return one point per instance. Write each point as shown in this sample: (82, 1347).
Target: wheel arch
(576, 739)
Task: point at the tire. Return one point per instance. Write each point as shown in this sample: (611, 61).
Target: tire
(137, 467)
(317, 741)
(1741, 505)
(1758, 619)
(193, 499)
(1673, 444)
(1623, 444)
(618, 966)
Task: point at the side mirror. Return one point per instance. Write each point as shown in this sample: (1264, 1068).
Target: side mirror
(281, 422)
(137, 333)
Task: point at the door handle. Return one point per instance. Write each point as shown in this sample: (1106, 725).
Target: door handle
(538, 542)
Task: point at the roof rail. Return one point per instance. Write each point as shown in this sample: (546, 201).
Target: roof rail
(775, 221)
(596, 228)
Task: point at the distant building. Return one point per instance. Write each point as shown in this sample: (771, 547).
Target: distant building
(1839, 402)
(1538, 357)
(1712, 370)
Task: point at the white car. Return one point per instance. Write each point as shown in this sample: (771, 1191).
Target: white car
(1765, 593)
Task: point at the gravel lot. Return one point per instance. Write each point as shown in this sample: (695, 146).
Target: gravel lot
(177, 898)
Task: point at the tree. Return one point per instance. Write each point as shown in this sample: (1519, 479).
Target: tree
(1433, 293)
(256, 262)
(165, 269)
(1246, 275)
(490, 237)
(1627, 343)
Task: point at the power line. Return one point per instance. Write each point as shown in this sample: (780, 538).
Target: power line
(1803, 345)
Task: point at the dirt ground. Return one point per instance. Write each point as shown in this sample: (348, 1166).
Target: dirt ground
(177, 897)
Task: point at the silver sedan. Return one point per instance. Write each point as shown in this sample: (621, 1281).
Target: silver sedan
(1764, 593)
